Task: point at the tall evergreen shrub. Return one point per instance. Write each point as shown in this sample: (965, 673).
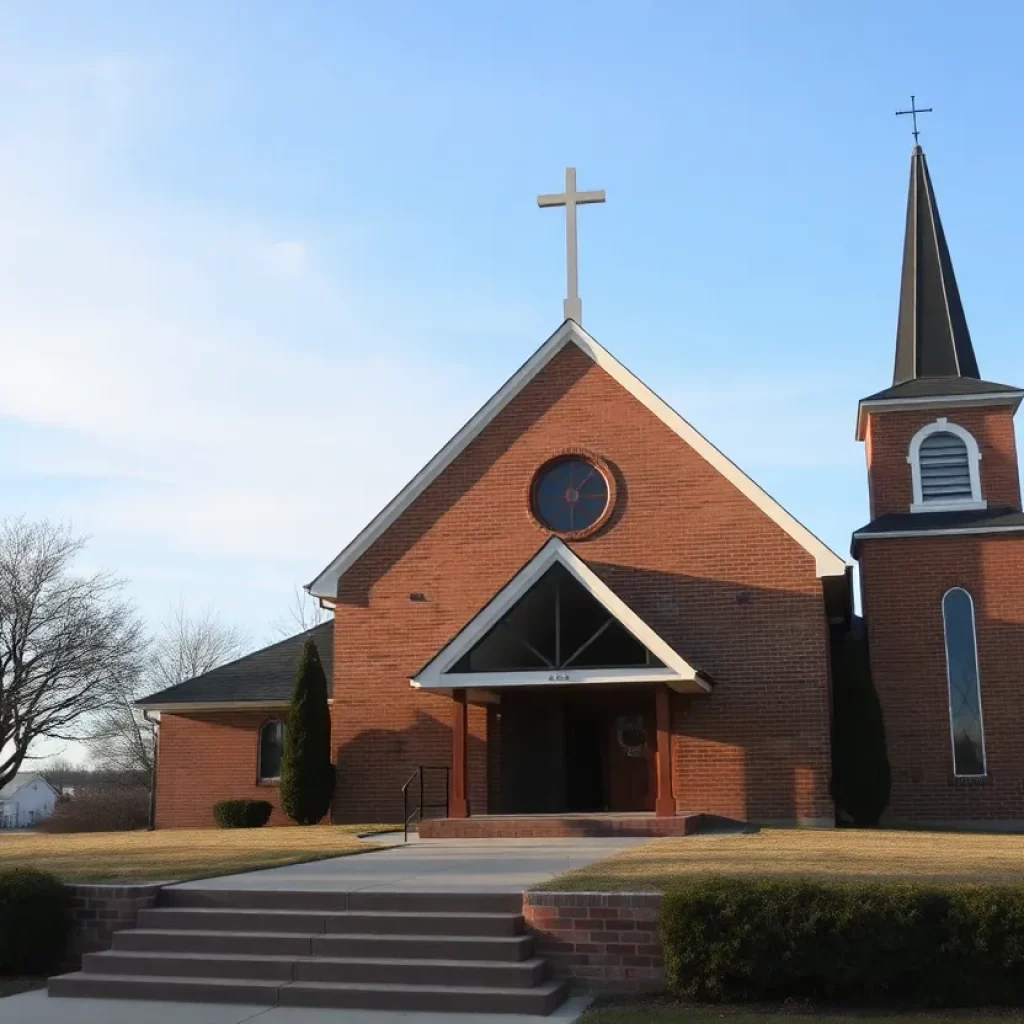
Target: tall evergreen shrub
(307, 775)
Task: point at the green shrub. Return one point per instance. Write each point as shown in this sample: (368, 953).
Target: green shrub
(33, 921)
(861, 778)
(891, 943)
(307, 775)
(242, 813)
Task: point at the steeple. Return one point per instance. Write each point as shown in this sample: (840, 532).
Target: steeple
(932, 339)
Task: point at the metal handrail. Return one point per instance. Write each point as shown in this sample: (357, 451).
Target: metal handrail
(420, 772)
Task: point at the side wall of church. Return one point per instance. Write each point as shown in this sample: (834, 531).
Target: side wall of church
(722, 583)
(207, 757)
(903, 581)
(888, 442)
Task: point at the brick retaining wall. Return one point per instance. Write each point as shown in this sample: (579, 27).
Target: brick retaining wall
(97, 911)
(601, 941)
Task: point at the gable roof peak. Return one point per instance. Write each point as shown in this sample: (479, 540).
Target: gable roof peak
(932, 338)
(325, 585)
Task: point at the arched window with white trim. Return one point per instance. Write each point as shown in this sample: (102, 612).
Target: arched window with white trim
(966, 727)
(271, 747)
(944, 470)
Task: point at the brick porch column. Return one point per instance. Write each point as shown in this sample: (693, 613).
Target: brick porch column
(665, 804)
(459, 805)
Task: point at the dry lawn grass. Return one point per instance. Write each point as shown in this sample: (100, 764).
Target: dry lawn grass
(664, 1012)
(174, 854)
(827, 853)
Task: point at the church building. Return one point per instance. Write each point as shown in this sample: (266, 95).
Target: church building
(580, 606)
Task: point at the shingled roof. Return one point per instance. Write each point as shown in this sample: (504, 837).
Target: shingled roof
(920, 524)
(263, 677)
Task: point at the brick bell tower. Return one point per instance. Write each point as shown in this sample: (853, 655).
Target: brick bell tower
(942, 559)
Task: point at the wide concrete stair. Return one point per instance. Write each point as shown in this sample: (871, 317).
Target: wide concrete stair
(444, 952)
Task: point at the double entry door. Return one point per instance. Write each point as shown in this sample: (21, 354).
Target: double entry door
(576, 751)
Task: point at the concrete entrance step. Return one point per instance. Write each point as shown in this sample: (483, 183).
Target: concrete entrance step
(327, 901)
(393, 951)
(386, 970)
(541, 999)
(447, 947)
(563, 826)
(375, 922)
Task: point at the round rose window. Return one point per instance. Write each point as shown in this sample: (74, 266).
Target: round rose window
(570, 494)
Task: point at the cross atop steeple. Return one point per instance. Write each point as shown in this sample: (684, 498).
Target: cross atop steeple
(570, 199)
(914, 111)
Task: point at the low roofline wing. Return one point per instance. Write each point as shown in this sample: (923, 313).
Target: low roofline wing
(435, 674)
(826, 561)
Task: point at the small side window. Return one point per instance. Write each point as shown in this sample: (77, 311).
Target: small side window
(271, 748)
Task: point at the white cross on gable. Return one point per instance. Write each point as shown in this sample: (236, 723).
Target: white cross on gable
(570, 199)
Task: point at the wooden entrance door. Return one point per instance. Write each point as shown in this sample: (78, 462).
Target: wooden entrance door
(632, 740)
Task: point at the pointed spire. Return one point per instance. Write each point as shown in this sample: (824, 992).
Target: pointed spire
(932, 339)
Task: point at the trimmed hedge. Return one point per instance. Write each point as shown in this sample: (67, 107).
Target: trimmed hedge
(242, 813)
(33, 921)
(893, 943)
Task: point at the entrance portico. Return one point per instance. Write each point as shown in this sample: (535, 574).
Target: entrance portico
(580, 689)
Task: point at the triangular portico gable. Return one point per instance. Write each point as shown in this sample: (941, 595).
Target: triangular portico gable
(827, 562)
(556, 622)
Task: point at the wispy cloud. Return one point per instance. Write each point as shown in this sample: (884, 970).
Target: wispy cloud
(200, 382)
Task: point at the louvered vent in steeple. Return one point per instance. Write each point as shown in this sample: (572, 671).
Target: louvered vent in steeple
(945, 468)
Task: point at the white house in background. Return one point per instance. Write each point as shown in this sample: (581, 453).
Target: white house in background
(25, 800)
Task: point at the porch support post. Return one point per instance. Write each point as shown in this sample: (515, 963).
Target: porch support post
(459, 806)
(665, 804)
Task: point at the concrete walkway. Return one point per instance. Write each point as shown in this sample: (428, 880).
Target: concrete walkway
(434, 865)
(36, 1008)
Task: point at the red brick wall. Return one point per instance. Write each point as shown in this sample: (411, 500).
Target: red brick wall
(903, 581)
(695, 558)
(97, 911)
(602, 942)
(888, 443)
(208, 757)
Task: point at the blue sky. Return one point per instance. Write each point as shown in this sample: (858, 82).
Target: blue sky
(258, 261)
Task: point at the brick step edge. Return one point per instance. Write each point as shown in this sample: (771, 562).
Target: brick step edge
(541, 999)
(319, 900)
(379, 970)
(512, 948)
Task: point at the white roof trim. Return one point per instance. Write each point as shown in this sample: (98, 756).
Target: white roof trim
(826, 561)
(436, 675)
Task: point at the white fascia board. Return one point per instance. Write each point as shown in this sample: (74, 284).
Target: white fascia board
(436, 675)
(826, 561)
(932, 401)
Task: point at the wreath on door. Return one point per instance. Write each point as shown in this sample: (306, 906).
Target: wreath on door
(632, 734)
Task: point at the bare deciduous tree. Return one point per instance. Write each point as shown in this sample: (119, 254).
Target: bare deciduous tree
(304, 612)
(68, 641)
(185, 646)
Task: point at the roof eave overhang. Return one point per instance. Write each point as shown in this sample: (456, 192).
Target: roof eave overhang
(675, 671)
(949, 531)
(826, 561)
(213, 705)
(867, 406)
